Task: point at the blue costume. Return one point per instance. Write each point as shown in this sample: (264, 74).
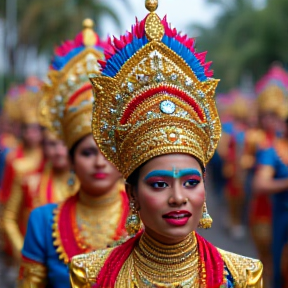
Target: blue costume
(270, 157)
(38, 246)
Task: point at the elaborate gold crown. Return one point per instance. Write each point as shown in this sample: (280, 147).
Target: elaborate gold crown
(154, 97)
(272, 99)
(67, 103)
(272, 90)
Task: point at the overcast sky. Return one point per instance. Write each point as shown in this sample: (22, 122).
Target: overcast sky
(180, 13)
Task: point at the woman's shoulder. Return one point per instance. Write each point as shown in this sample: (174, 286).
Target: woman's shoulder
(246, 272)
(84, 268)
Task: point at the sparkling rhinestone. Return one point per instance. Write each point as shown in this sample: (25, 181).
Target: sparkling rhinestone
(105, 127)
(130, 86)
(201, 93)
(58, 98)
(113, 149)
(159, 77)
(53, 110)
(118, 97)
(113, 111)
(174, 77)
(172, 137)
(167, 107)
(111, 134)
(188, 82)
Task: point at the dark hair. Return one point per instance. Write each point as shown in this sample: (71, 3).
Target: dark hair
(134, 176)
(73, 148)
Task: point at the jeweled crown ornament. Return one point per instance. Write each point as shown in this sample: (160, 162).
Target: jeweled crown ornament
(154, 97)
(66, 107)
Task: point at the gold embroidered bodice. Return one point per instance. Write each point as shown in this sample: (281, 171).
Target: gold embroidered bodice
(143, 270)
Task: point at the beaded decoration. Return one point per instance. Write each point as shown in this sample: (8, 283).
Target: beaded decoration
(67, 103)
(154, 97)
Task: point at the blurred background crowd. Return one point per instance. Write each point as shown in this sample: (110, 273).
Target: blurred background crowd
(248, 43)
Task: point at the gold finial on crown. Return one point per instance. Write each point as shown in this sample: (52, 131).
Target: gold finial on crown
(89, 37)
(151, 5)
(153, 26)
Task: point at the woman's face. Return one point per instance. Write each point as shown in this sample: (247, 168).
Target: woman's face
(32, 135)
(95, 173)
(56, 152)
(170, 196)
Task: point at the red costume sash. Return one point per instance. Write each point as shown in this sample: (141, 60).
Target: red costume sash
(9, 173)
(211, 264)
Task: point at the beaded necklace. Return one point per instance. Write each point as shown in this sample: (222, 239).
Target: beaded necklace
(173, 266)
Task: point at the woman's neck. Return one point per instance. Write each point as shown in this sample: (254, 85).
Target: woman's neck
(90, 200)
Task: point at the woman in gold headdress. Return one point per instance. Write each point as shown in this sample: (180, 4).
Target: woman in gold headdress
(27, 157)
(155, 119)
(95, 217)
(269, 219)
(47, 185)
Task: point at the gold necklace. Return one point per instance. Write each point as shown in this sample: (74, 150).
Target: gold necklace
(98, 223)
(157, 265)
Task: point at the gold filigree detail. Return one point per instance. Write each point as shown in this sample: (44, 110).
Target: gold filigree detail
(154, 28)
(246, 272)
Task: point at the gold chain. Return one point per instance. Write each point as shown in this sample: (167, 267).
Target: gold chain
(173, 266)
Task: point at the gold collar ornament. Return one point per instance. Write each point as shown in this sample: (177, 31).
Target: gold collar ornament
(67, 102)
(155, 96)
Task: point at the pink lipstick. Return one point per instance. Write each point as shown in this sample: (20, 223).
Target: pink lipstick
(177, 218)
(100, 176)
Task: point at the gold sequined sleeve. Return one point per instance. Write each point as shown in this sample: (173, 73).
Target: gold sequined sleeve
(246, 272)
(10, 217)
(32, 275)
(84, 268)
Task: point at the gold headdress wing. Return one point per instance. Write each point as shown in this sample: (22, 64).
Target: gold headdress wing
(154, 97)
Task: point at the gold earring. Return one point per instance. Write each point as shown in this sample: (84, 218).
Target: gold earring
(133, 222)
(206, 220)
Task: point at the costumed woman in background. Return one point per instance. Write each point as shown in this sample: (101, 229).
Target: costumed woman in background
(8, 139)
(270, 91)
(271, 178)
(95, 217)
(49, 185)
(28, 157)
(155, 118)
(232, 146)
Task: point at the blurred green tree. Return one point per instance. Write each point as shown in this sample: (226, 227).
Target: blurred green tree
(245, 39)
(43, 24)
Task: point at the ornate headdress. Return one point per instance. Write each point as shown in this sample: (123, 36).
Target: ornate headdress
(10, 107)
(22, 102)
(154, 97)
(272, 92)
(67, 102)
